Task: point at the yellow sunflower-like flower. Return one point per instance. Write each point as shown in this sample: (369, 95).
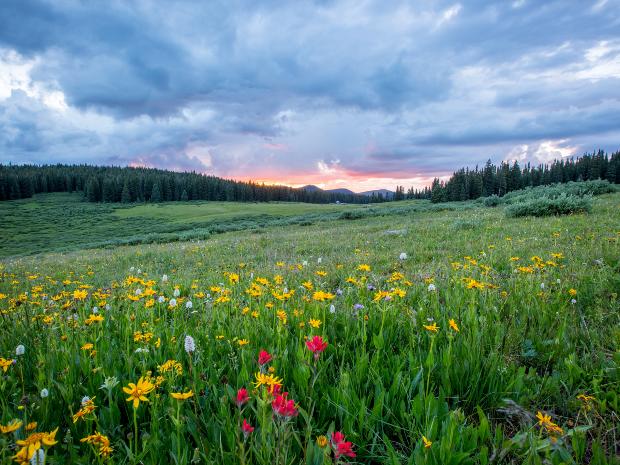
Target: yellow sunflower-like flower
(137, 392)
(182, 395)
(11, 426)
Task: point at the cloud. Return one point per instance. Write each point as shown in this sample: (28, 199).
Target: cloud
(334, 91)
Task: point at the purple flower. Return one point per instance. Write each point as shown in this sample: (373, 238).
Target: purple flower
(358, 306)
(370, 287)
(338, 291)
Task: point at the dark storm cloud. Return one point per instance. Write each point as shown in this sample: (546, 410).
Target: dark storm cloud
(424, 83)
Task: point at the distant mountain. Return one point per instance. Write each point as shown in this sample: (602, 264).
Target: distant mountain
(313, 188)
(340, 191)
(384, 192)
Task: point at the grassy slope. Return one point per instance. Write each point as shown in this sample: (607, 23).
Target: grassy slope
(57, 222)
(539, 351)
(207, 211)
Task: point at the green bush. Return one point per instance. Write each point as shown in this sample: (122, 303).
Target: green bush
(545, 206)
(578, 189)
(492, 201)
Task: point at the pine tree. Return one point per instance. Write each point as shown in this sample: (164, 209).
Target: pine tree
(156, 192)
(126, 194)
(92, 190)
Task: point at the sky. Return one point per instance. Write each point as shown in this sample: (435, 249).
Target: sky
(353, 93)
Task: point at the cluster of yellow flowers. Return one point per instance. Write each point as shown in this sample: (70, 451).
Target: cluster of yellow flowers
(100, 442)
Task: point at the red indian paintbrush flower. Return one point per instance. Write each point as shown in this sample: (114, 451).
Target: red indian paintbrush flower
(274, 390)
(264, 357)
(242, 397)
(316, 345)
(283, 407)
(340, 446)
(246, 428)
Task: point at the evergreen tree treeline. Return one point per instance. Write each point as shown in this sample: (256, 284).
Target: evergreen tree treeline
(116, 184)
(466, 184)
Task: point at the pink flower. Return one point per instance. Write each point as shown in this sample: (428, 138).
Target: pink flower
(242, 397)
(283, 407)
(340, 446)
(264, 357)
(316, 345)
(246, 428)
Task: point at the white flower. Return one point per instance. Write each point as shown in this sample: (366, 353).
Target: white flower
(20, 350)
(573, 301)
(542, 286)
(85, 400)
(431, 287)
(161, 299)
(189, 304)
(332, 308)
(176, 292)
(190, 345)
(109, 383)
(558, 280)
(305, 263)
(402, 256)
(107, 306)
(138, 291)
(44, 393)
(319, 260)
(95, 310)
(139, 350)
(132, 269)
(164, 278)
(173, 302)
(38, 458)
(139, 271)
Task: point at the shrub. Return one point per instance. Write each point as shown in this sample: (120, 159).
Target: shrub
(492, 201)
(579, 189)
(545, 206)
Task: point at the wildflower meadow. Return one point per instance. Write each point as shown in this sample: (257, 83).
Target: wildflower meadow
(435, 337)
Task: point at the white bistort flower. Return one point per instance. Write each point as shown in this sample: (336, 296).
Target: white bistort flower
(431, 287)
(164, 278)
(190, 345)
(176, 292)
(332, 308)
(189, 304)
(44, 393)
(161, 299)
(20, 350)
(402, 256)
(173, 302)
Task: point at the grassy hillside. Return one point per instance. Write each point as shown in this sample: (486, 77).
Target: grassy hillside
(446, 356)
(56, 222)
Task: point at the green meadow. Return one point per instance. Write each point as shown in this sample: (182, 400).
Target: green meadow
(447, 334)
(60, 222)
